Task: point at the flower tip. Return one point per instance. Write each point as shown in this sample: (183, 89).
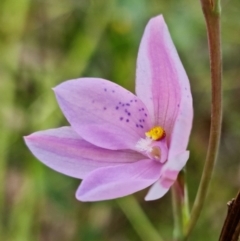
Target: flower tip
(26, 138)
(54, 89)
(30, 139)
(81, 197)
(159, 19)
(147, 198)
(58, 90)
(150, 197)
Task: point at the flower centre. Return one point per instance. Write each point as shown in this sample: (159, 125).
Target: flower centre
(154, 145)
(156, 133)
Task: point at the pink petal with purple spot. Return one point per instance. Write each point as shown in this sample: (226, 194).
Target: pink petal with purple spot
(65, 151)
(118, 181)
(103, 112)
(168, 176)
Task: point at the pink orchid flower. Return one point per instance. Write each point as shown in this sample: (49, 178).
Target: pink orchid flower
(118, 142)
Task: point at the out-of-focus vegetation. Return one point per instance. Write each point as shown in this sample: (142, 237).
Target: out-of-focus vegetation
(44, 42)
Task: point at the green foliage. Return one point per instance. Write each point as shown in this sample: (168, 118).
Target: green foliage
(43, 43)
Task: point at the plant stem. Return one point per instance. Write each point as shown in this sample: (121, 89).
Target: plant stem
(180, 205)
(211, 10)
(138, 219)
(177, 213)
(185, 204)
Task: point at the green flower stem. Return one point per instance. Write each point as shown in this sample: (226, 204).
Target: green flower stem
(138, 219)
(177, 213)
(180, 206)
(212, 13)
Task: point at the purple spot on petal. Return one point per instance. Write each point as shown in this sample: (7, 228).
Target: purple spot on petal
(120, 103)
(145, 114)
(121, 118)
(129, 113)
(128, 104)
(131, 101)
(104, 108)
(113, 91)
(123, 105)
(127, 120)
(105, 89)
(117, 108)
(140, 120)
(135, 100)
(141, 126)
(142, 108)
(136, 125)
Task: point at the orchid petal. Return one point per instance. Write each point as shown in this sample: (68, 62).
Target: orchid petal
(65, 151)
(162, 83)
(118, 181)
(168, 176)
(182, 127)
(103, 112)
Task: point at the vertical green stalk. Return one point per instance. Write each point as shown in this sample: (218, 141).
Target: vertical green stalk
(212, 13)
(177, 213)
(138, 219)
(180, 206)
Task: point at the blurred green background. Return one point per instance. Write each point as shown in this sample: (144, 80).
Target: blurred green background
(44, 42)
